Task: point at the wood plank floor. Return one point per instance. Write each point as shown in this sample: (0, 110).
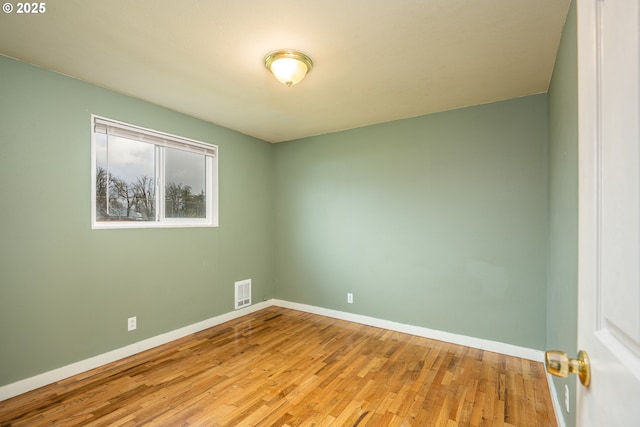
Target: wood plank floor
(281, 367)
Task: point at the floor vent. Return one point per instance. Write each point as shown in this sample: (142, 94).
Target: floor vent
(243, 293)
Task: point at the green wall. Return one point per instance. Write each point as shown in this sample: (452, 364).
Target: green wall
(562, 291)
(66, 290)
(437, 221)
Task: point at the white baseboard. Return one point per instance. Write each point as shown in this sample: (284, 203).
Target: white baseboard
(37, 381)
(40, 380)
(556, 402)
(482, 344)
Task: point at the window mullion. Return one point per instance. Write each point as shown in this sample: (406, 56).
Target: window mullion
(107, 179)
(160, 187)
(208, 186)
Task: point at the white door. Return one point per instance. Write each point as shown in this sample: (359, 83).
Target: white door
(609, 210)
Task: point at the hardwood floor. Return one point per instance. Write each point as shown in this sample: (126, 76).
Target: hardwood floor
(281, 367)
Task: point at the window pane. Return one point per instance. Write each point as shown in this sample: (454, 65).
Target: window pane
(185, 189)
(101, 176)
(130, 166)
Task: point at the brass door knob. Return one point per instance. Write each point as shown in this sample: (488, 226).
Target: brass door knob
(560, 365)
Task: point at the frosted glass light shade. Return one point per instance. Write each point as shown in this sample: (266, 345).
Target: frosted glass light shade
(288, 66)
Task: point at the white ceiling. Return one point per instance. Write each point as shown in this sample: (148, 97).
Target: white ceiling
(374, 60)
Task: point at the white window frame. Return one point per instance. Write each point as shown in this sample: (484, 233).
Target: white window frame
(160, 140)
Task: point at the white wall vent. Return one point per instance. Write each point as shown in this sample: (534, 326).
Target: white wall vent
(243, 293)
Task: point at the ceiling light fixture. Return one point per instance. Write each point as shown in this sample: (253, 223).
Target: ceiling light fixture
(288, 66)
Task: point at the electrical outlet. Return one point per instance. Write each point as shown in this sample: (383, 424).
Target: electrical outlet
(350, 298)
(566, 398)
(132, 323)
